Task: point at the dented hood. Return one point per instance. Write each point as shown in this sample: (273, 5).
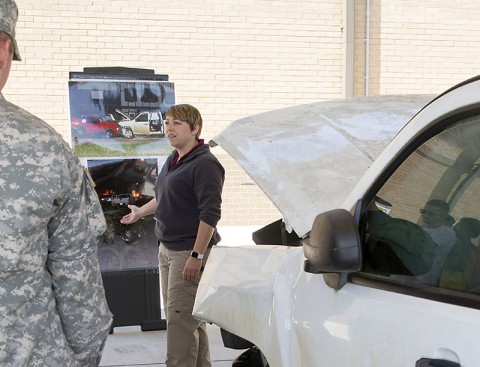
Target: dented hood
(308, 158)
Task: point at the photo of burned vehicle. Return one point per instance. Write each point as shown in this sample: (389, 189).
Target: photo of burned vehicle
(123, 182)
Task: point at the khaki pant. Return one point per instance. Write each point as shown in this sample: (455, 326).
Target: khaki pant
(187, 339)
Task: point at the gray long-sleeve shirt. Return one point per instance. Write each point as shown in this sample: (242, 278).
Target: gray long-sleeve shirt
(53, 310)
(188, 192)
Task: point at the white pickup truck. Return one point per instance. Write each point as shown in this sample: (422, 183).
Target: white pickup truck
(146, 123)
(363, 269)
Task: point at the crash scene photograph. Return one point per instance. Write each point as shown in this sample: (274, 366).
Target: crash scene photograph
(218, 183)
(118, 117)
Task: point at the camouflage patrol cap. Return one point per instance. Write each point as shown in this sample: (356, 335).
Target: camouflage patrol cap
(8, 20)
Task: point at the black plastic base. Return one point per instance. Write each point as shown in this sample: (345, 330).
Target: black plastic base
(149, 325)
(134, 298)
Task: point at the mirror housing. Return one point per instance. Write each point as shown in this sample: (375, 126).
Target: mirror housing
(334, 244)
(275, 234)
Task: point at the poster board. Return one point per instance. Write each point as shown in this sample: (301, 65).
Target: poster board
(117, 131)
(116, 118)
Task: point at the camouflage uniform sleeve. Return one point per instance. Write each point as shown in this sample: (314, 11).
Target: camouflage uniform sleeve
(72, 261)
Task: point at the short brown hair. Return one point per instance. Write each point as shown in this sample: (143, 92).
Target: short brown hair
(189, 114)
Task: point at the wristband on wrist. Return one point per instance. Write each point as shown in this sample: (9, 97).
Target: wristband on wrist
(196, 255)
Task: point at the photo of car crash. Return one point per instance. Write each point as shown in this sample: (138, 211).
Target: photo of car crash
(119, 118)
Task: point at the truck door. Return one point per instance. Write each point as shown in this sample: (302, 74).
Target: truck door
(416, 300)
(141, 124)
(156, 123)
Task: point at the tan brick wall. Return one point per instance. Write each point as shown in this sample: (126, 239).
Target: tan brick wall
(229, 58)
(417, 46)
(233, 58)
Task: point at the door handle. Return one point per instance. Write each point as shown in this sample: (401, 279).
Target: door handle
(432, 362)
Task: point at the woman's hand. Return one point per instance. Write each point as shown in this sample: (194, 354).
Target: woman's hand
(192, 268)
(131, 217)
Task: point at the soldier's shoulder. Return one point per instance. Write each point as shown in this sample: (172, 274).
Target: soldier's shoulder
(26, 122)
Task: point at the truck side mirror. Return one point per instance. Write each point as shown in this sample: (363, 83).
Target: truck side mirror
(333, 245)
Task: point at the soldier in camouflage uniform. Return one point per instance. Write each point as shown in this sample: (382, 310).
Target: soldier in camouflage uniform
(53, 310)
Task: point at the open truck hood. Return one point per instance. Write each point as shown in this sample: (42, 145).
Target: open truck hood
(309, 157)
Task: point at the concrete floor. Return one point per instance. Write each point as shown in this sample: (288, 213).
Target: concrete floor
(129, 346)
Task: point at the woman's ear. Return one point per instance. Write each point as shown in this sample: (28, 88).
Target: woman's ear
(195, 129)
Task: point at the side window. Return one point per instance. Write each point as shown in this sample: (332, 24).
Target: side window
(423, 225)
(142, 117)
